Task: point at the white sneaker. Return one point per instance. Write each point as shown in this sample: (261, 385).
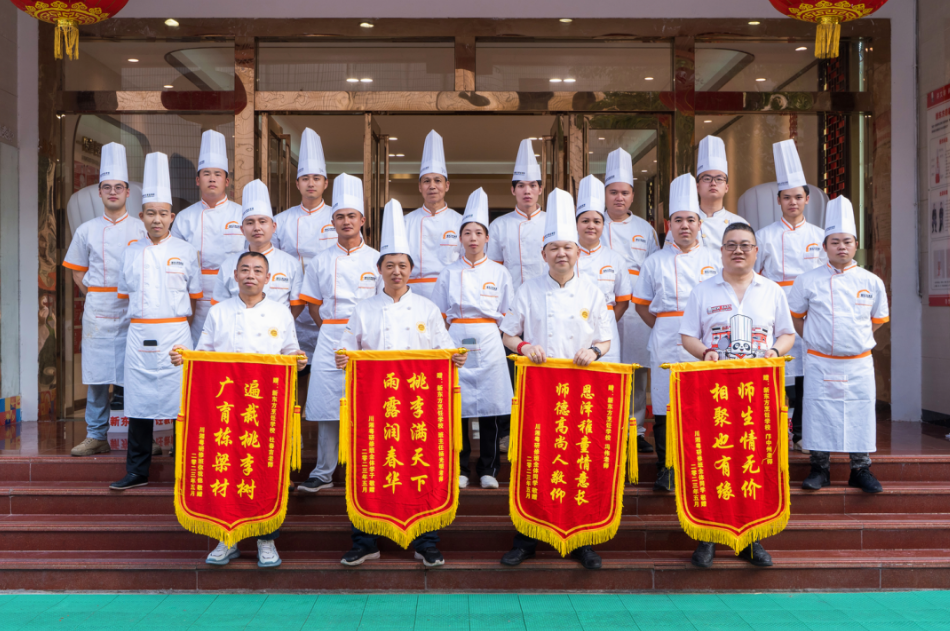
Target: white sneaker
(798, 445)
(463, 481)
(267, 553)
(222, 554)
(488, 482)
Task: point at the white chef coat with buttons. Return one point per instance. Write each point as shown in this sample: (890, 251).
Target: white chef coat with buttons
(562, 320)
(785, 253)
(712, 229)
(515, 241)
(840, 309)
(304, 233)
(634, 239)
(666, 281)
(159, 281)
(215, 233)
(337, 280)
(433, 244)
(607, 269)
(266, 328)
(712, 304)
(286, 278)
(381, 324)
(98, 249)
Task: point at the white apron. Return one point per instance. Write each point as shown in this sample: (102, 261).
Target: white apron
(634, 338)
(326, 380)
(614, 354)
(666, 346)
(796, 367)
(152, 384)
(838, 405)
(486, 388)
(104, 329)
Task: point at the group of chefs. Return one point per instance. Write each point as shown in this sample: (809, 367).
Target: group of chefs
(223, 276)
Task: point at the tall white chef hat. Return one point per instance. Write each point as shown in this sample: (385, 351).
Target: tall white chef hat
(347, 193)
(392, 238)
(711, 156)
(590, 195)
(156, 183)
(214, 151)
(559, 222)
(255, 201)
(433, 156)
(311, 160)
(839, 217)
(112, 164)
(788, 165)
(683, 195)
(619, 167)
(526, 165)
(476, 208)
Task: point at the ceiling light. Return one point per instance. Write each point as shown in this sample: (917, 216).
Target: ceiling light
(392, 155)
(601, 138)
(566, 20)
(400, 155)
(393, 138)
(167, 87)
(754, 23)
(172, 22)
(352, 80)
(537, 155)
(707, 121)
(570, 80)
(590, 152)
(643, 171)
(648, 78)
(134, 61)
(366, 24)
(654, 161)
(366, 80)
(760, 79)
(801, 48)
(555, 80)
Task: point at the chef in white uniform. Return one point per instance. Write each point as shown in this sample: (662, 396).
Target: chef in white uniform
(712, 179)
(432, 229)
(787, 249)
(248, 323)
(257, 225)
(95, 258)
(161, 283)
(560, 314)
(213, 225)
(598, 263)
(336, 280)
(836, 309)
(397, 318)
(634, 239)
(666, 281)
(736, 314)
(473, 294)
(306, 230)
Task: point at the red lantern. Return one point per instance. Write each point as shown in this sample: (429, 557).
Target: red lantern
(829, 16)
(68, 16)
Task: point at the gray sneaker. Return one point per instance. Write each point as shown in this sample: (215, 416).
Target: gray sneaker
(90, 447)
(156, 448)
(312, 485)
(503, 444)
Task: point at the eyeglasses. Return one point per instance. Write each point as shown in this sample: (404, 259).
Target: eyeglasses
(118, 188)
(744, 247)
(708, 179)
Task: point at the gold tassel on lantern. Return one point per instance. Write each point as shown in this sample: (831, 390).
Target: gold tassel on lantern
(66, 33)
(827, 38)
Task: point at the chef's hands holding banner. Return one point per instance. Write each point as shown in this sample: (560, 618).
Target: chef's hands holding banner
(535, 352)
(458, 358)
(178, 360)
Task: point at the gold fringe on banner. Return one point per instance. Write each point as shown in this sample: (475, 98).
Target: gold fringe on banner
(827, 38)
(66, 36)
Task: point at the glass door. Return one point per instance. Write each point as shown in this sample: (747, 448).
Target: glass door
(375, 177)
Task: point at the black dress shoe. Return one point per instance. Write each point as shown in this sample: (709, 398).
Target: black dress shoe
(863, 479)
(516, 555)
(817, 479)
(665, 479)
(756, 555)
(130, 481)
(704, 555)
(587, 557)
(643, 446)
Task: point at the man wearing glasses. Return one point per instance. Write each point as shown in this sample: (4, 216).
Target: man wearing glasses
(707, 330)
(712, 182)
(95, 257)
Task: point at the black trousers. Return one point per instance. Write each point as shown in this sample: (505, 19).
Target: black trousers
(659, 437)
(489, 459)
(794, 393)
(139, 456)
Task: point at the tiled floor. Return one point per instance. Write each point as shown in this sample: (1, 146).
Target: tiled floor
(906, 611)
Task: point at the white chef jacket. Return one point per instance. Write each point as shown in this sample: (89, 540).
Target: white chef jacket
(563, 320)
(712, 229)
(158, 281)
(785, 253)
(712, 304)
(304, 234)
(215, 233)
(98, 248)
(266, 328)
(515, 240)
(433, 244)
(607, 270)
(380, 324)
(286, 278)
(474, 297)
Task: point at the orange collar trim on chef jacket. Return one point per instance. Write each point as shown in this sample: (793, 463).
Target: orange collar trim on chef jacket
(817, 354)
(103, 290)
(413, 281)
(669, 314)
(158, 320)
(835, 270)
(473, 321)
(337, 321)
(476, 263)
(433, 213)
(310, 212)
(207, 206)
(791, 227)
(117, 221)
(698, 245)
(589, 252)
(350, 251)
(266, 253)
(531, 216)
